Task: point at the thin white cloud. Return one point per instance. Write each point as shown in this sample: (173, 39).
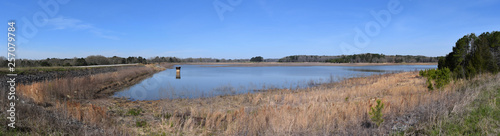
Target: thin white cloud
(61, 23)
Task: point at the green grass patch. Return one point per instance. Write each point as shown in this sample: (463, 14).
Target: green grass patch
(134, 112)
(483, 119)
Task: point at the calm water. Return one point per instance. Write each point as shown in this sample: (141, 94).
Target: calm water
(206, 80)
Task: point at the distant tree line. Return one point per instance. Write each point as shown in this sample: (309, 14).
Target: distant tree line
(101, 60)
(204, 60)
(360, 58)
(257, 59)
(473, 55)
(89, 60)
(306, 58)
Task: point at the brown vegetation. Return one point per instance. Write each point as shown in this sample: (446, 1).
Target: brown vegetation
(87, 87)
(340, 108)
(62, 105)
(330, 109)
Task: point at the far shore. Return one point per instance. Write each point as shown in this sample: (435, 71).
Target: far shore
(269, 64)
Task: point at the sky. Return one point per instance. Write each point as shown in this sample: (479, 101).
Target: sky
(238, 29)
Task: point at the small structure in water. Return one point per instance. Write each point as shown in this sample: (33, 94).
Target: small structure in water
(177, 72)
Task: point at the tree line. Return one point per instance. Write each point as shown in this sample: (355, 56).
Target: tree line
(473, 55)
(360, 58)
(89, 60)
(102, 60)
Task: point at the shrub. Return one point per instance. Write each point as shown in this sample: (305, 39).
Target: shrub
(429, 84)
(441, 77)
(376, 113)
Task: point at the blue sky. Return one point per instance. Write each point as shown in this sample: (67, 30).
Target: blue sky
(268, 28)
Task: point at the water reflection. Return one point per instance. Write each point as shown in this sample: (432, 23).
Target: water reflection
(367, 70)
(202, 81)
(178, 72)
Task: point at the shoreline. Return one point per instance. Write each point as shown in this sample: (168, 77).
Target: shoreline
(102, 109)
(112, 88)
(346, 93)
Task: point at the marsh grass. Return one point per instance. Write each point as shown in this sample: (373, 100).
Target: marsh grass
(80, 87)
(339, 108)
(61, 106)
(87, 113)
(319, 110)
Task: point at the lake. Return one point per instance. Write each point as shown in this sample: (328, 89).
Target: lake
(212, 80)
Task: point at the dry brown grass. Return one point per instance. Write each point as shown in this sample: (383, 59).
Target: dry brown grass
(330, 109)
(85, 113)
(62, 105)
(80, 87)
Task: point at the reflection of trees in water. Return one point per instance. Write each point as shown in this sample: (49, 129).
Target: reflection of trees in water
(160, 86)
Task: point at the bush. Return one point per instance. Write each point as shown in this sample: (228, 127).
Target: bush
(429, 84)
(376, 113)
(441, 77)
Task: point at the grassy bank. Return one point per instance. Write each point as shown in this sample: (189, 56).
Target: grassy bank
(479, 117)
(340, 108)
(61, 106)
